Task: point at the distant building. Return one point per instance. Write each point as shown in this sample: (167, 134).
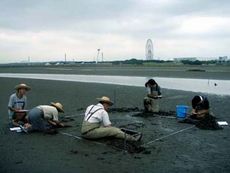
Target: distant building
(185, 59)
(223, 58)
(47, 64)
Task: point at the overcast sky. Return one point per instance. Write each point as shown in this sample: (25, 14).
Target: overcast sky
(45, 30)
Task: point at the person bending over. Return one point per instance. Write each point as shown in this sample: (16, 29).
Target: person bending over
(44, 118)
(201, 115)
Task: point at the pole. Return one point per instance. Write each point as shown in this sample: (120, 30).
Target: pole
(65, 58)
(98, 51)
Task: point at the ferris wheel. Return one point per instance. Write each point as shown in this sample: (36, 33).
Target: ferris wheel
(149, 50)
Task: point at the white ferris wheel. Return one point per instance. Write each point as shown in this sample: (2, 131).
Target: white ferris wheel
(149, 50)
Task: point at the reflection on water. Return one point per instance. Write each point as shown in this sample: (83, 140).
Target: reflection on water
(221, 87)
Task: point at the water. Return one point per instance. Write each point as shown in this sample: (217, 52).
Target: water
(219, 87)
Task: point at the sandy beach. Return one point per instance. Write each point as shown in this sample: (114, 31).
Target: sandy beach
(193, 150)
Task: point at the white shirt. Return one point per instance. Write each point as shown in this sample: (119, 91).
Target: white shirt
(97, 114)
(50, 112)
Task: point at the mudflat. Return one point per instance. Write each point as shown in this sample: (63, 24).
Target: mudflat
(191, 150)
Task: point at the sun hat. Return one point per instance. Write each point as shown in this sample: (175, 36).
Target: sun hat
(22, 85)
(105, 99)
(58, 106)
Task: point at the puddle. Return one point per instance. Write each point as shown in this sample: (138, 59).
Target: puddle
(219, 87)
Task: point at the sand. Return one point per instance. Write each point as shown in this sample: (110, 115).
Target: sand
(193, 150)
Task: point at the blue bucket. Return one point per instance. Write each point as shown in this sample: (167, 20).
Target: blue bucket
(181, 111)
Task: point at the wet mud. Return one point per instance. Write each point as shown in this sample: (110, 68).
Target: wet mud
(193, 150)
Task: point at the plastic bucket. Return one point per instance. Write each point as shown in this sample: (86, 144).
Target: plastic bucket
(181, 111)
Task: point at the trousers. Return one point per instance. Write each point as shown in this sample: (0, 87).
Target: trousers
(95, 131)
(36, 119)
(151, 105)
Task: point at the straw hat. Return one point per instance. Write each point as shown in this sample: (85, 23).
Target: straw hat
(22, 85)
(105, 99)
(58, 106)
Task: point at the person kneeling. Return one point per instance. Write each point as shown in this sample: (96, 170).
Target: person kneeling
(96, 123)
(44, 118)
(201, 115)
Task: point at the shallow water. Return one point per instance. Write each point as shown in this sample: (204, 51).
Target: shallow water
(220, 87)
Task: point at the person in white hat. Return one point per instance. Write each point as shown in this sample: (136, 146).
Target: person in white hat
(45, 117)
(17, 105)
(96, 123)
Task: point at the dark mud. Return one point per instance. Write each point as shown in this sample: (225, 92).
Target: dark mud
(122, 145)
(117, 144)
(193, 150)
(209, 122)
(154, 114)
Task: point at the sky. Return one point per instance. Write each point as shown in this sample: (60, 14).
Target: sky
(46, 30)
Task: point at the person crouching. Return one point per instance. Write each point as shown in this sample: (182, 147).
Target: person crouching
(201, 115)
(17, 105)
(44, 117)
(96, 123)
(151, 101)
(200, 107)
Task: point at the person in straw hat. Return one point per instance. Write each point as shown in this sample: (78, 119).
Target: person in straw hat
(45, 117)
(96, 123)
(17, 105)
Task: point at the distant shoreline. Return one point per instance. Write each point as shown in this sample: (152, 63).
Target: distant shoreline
(218, 87)
(186, 71)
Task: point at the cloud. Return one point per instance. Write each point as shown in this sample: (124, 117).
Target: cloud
(47, 29)
(48, 14)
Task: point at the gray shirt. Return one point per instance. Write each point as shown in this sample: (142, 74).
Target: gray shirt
(16, 103)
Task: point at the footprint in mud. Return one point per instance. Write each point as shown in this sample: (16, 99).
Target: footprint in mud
(147, 152)
(137, 157)
(74, 151)
(19, 162)
(158, 150)
(100, 158)
(107, 152)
